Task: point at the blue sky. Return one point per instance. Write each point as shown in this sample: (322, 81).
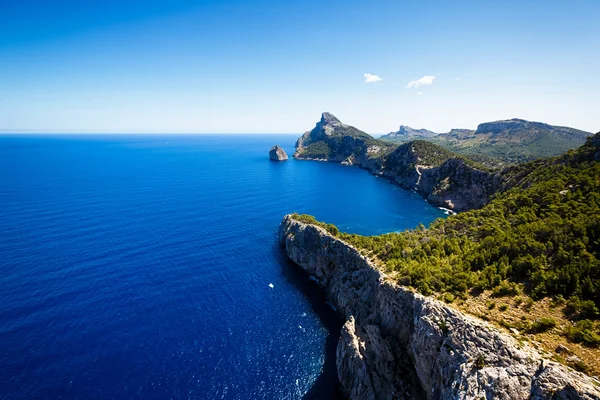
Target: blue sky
(273, 66)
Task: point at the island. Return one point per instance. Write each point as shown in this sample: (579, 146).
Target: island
(277, 154)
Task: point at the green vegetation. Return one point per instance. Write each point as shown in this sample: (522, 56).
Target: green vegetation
(429, 154)
(309, 219)
(337, 145)
(584, 332)
(443, 327)
(318, 149)
(542, 325)
(480, 362)
(515, 141)
(582, 309)
(508, 148)
(540, 237)
(543, 233)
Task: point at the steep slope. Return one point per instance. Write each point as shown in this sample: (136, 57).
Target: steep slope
(535, 248)
(332, 140)
(397, 344)
(514, 140)
(441, 176)
(538, 237)
(541, 228)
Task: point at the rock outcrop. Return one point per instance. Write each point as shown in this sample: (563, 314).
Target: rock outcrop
(277, 154)
(440, 176)
(397, 344)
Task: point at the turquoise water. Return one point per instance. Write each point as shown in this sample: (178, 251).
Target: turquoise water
(138, 267)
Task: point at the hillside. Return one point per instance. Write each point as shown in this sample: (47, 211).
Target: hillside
(405, 133)
(332, 140)
(399, 344)
(534, 249)
(509, 141)
(440, 175)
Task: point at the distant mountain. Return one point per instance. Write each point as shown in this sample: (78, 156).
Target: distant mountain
(333, 140)
(507, 141)
(408, 133)
(441, 176)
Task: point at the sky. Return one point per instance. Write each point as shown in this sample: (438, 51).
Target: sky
(182, 66)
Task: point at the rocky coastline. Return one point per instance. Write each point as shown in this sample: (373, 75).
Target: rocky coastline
(441, 177)
(397, 344)
(276, 153)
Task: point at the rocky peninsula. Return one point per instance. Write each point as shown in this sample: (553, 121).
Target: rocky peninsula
(439, 175)
(397, 344)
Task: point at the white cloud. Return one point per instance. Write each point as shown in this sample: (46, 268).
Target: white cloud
(419, 93)
(426, 80)
(456, 79)
(372, 78)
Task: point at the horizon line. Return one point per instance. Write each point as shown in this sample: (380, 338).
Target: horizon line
(3, 132)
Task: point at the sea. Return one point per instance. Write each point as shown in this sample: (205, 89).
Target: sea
(148, 267)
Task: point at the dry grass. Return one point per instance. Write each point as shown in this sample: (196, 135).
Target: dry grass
(520, 313)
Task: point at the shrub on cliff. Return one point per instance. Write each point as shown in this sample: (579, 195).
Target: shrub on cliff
(584, 332)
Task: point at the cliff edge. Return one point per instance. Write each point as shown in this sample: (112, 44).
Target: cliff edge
(399, 344)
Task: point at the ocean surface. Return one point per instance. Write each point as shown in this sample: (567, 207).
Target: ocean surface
(140, 267)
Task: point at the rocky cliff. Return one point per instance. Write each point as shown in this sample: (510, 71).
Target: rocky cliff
(277, 154)
(439, 175)
(397, 344)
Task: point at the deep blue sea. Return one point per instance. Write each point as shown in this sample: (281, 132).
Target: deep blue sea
(138, 267)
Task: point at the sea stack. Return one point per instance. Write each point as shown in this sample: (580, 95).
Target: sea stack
(277, 154)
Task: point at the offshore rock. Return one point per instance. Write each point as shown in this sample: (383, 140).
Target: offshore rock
(277, 154)
(397, 344)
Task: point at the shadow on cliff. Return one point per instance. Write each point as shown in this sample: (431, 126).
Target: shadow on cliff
(327, 385)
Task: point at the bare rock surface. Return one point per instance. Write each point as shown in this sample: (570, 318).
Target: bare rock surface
(397, 344)
(277, 154)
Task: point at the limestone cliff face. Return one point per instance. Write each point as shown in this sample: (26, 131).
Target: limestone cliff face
(397, 344)
(437, 174)
(331, 140)
(440, 178)
(277, 154)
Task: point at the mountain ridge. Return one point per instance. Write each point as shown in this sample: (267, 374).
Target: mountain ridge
(506, 141)
(408, 132)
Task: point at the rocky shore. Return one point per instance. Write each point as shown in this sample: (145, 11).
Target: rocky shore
(397, 344)
(276, 153)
